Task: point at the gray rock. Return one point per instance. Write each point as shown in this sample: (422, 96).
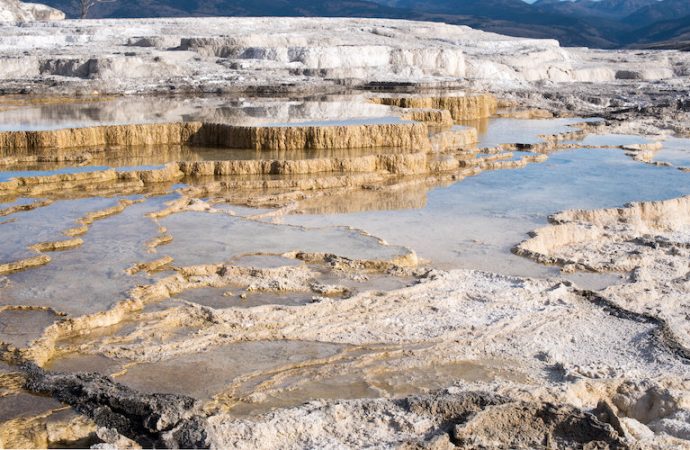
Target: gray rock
(159, 420)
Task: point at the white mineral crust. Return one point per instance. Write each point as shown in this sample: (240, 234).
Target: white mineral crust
(225, 53)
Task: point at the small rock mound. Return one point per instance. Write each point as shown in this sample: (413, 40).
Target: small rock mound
(535, 425)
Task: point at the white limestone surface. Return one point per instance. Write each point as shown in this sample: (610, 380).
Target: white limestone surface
(221, 54)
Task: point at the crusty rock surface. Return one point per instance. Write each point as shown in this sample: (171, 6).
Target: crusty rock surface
(142, 417)
(444, 420)
(447, 419)
(650, 241)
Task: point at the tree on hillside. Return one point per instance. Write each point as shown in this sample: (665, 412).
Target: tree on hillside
(85, 6)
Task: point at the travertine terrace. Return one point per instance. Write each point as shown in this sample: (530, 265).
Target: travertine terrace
(339, 233)
(232, 54)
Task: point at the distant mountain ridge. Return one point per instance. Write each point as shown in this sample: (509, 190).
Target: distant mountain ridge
(611, 9)
(661, 11)
(591, 23)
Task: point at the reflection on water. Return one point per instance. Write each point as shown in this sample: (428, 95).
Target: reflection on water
(202, 238)
(386, 381)
(91, 277)
(475, 223)
(45, 224)
(204, 374)
(341, 122)
(481, 125)
(412, 195)
(237, 111)
(469, 224)
(494, 132)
